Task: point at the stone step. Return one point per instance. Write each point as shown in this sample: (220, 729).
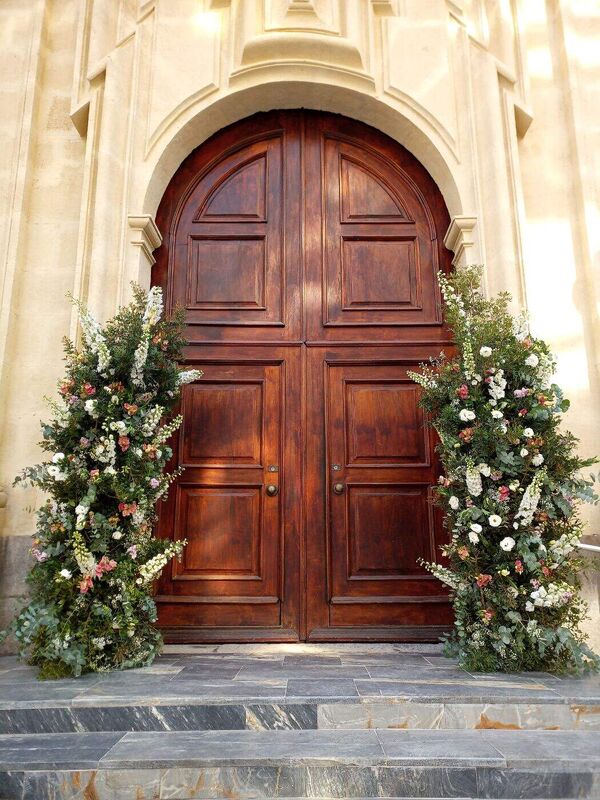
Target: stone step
(396, 713)
(301, 763)
(274, 689)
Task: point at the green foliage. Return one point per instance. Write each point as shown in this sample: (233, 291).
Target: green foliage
(510, 490)
(95, 554)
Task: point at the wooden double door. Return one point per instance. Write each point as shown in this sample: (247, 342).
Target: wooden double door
(304, 248)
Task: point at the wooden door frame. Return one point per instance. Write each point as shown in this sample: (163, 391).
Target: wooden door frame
(304, 530)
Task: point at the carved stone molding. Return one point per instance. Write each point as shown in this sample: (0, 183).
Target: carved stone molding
(459, 238)
(144, 234)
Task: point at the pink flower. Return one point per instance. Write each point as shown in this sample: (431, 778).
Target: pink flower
(463, 391)
(105, 565)
(84, 441)
(504, 493)
(154, 483)
(94, 473)
(522, 412)
(483, 580)
(124, 443)
(519, 566)
(88, 389)
(521, 392)
(40, 555)
(85, 584)
(73, 399)
(132, 551)
(128, 508)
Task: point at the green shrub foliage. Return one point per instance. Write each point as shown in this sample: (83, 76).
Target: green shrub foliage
(95, 554)
(510, 490)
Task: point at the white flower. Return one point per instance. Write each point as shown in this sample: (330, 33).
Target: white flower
(473, 538)
(485, 351)
(473, 480)
(90, 407)
(81, 509)
(513, 485)
(466, 415)
(532, 360)
(531, 498)
(528, 433)
(476, 527)
(56, 473)
(497, 414)
(485, 469)
(529, 606)
(507, 543)
(495, 520)
(117, 535)
(524, 452)
(537, 460)
(454, 502)
(65, 573)
(493, 402)
(57, 457)
(188, 376)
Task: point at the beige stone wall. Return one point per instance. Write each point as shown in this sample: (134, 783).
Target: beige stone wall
(102, 99)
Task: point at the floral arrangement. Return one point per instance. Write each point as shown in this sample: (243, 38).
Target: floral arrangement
(510, 490)
(95, 554)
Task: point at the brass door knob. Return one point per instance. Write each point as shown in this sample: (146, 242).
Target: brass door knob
(272, 490)
(338, 488)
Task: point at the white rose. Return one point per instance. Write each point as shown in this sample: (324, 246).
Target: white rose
(497, 414)
(57, 457)
(528, 433)
(524, 452)
(466, 415)
(495, 521)
(532, 360)
(473, 538)
(65, 573)
(476, 527)
(485, 351)
(454, 502)
(507, 543)
(537, 460)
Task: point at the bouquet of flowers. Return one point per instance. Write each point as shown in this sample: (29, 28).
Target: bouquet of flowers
(510, 490)
(95, 554)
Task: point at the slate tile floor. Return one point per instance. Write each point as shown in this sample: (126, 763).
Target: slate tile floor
(298, 721)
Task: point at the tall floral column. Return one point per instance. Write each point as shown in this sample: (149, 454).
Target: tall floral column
(95, 553)
(510, 490)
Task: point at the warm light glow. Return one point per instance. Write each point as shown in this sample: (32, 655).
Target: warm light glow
(208, 21)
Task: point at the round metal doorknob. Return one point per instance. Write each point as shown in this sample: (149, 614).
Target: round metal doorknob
(272, 490)
(338, 488)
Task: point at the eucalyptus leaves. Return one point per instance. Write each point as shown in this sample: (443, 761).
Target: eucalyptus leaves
(510, 490)
(95, 555)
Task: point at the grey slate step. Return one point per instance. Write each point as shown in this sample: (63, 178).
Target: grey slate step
(394, 714)
(246, 764)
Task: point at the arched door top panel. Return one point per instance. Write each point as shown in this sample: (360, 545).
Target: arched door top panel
(303, 226)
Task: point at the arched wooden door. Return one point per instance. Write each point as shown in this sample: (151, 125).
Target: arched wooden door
(304, 248)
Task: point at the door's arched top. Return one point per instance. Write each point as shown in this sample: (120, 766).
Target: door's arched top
(206, 116)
